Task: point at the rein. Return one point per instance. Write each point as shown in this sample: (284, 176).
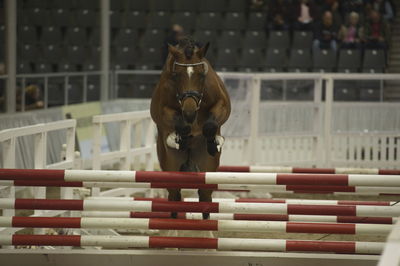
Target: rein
(195, 95)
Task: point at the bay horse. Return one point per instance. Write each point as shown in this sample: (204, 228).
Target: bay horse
(189, 105)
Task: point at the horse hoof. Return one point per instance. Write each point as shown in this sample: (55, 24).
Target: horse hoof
(212, 148)
(174, 215)
(206, 216)
(210, 129)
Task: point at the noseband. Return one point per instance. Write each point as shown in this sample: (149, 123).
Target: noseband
(195, 95)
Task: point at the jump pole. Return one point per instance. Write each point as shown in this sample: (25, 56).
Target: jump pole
(204, 207)
(201, 177)
(187, 224)
(278, 245)
(299, 170)
(246, 217)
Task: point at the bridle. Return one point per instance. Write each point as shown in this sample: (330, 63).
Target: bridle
(195, 95)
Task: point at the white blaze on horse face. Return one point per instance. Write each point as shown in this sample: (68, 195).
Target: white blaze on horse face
(190, 71)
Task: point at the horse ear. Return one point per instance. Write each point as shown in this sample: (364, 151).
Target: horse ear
(203, 50)
(173, 50)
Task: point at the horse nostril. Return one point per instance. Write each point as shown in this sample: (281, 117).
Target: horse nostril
(189, 116)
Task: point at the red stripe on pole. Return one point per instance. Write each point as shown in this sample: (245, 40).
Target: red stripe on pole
(46, 240)
(183, 224)
(47, 183)
(365, 220)
(374, 203)
(312, 179)
(311, 192)
(231, 168)
(47, 222)
(261, 200)
(261, 217)
(320, 228)
(388, 172)
(168, 177)
(31, 174)
(313, 170)
(184, 185)
(48, 204)
(179, 242)
(321, 246)
(165, 215)
(321, 209)
(170, 206)
(321, 188)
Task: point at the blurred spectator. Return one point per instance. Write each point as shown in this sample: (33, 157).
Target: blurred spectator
(376, 32)
(350, 33)
(348, 6)
(304, 13)
(33, 98)
(175, 34)
(278, 14)
(384, 7)
(334, 7)
(256, 5)
(325, 35)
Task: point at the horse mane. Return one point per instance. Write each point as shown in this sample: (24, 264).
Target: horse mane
(188, 45)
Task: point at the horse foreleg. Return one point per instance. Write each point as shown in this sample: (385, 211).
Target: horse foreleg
(205, 195)
(174, 195)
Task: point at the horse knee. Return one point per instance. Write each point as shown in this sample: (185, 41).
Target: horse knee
(210, 129)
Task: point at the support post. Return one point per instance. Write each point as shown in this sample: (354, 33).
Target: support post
(105, 49)
(11, 55)
(328, 122)
(254, 118)
(317, 130)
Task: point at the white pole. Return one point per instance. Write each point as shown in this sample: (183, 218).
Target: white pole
(11, 55)
(105, 49)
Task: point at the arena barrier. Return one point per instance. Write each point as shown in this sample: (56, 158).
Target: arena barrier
(299, 170)
(281, 245)
(201, 177)
(211, 207)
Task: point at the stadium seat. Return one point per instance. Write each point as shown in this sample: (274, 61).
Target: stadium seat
(126, 37)
(117, 5)
(135, 19)
(159, 20)
(51, 35)
(35, 17)
(75, 94)
(61, 17)
(279, 40)
(255, 39)
(370, 90)
(374, 61)
(86, 18)
(212, 6)
(251, 60)
(150, 59)
(349, 60)
(57, 4)
(204, 36)
(271, 90)
(88, 4)
(136, 5)
(66, 66)
(302, 39)
(153, 38)
(94, 36)
(27, 34)
(93, 89)
(300, 90)
(52, 53)
(116, 19)
(345, 91)
(257, 21)
(234, 21)
(324, 61)
(237, 5)
(227, 59)
(276, 60)
(186, 5)
(300, 60)
(230, 39)
(209, 21)
(125, 55)
(43, 67)
(76, 36)
(24, 68)
(187, 19)
(91, 65)
(27, 52)
(161, 5)
(76, 54)
(42, 4)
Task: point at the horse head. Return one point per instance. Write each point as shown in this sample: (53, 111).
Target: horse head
(188, 71)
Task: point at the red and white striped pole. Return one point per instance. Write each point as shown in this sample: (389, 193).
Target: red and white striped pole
(201, 177)
(187, 224)
(279, 245)
(299, 170)
(204, 207)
